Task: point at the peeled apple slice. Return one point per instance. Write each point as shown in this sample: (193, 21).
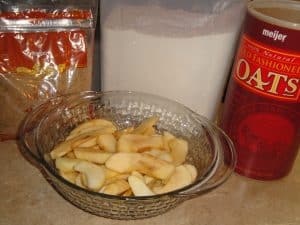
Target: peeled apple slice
(115, 188)
(179, 150)
(65, 164)
(67, 146)
(137, 174)
(161, 154)
(69, 176)
(92, 155)
(92, 125)
(138, 187)
(61, 149)
(127, 162)
(93, 176)
(192, 170)
(85, 143)
(138, 142)
(179, 179)
(107, 142)
(119, 133)
(146, 127)
(167, 137)
(78, 181)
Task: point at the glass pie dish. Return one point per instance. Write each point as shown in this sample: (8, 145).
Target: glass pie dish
(210, 149)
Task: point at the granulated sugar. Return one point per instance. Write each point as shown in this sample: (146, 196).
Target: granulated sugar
(172, 53)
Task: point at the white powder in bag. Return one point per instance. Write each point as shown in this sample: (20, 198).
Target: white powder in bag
(145, 49)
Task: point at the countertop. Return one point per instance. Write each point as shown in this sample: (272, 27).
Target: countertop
(28, 199)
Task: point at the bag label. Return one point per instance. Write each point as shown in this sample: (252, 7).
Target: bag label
(39, 52)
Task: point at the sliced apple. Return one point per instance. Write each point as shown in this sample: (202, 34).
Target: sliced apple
(107, 142)
(115, 188)
(148, 180)
(125, 162)
(155, 167)
(179, 179)
(146, 126)
(61, 149)
(127, 193)
(92, 125)
(110, 173)
(156, 186)
(192, 170)
(92, 155)
(86, 142)
(65, 164)
(150, 131)
(83, 140)
(92, 131)
(93, 176)
(154, 152)
(166, 156)
(122, 162)
(69, 176)
(137, 174)
(119, 133)
(167, 137)
(179, 150)
(161, 154)
(122, 176)
(138, 142)
(78, 181)
(132, 161)
(71, 155)
(138, 186)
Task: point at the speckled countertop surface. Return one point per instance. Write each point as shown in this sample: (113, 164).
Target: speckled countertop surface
(28, 199)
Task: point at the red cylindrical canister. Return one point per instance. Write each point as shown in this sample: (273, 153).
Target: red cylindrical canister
(262, 105)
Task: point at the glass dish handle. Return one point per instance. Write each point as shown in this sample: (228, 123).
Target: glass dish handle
(26, 132)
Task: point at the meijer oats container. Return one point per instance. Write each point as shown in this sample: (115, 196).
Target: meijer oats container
(262, 110)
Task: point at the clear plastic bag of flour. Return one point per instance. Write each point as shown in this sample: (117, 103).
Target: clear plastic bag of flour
(182, 50)
(46, 49)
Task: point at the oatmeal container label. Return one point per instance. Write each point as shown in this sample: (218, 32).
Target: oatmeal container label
(268, 61)
(268, 71)
(261, 110)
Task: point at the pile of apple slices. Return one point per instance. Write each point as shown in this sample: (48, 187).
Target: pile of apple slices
(136, 161)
